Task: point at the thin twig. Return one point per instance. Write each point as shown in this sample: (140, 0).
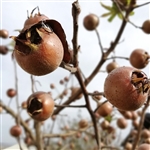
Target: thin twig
(32, 84)
(14, 115)
(70, 133)
(88, 106)
(99, 41)
(72, 106)
(119, 57)
(39, 142)
(137, 6)
(17, 100)
(126, 19)
(75, 14)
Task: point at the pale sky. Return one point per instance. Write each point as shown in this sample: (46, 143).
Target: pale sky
(14, 13)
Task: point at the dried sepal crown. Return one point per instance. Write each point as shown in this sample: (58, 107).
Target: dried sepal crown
(140, 81)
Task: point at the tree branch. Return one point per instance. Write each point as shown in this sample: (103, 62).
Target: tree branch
(15, 116)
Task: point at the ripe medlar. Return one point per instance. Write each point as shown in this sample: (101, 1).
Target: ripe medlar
(83, 123)
(139, 58)
(4, 33)
(111, 66)
(41, 45)
(15, 130)
(144, 146)
(122, 123)
(104, 109)
(40, 106)
(91, 21)
(146, 26)
(11, 92)
(3, 49)
(126, 88)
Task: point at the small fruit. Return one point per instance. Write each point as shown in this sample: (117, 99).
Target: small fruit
(11, 92)
(91, 21)
(83, 123)
(52, 86)
(111, 66)
(15, 131)
(40, 106)
(123, 88)
(3, 50)
(122, 123)
(104, 124)
(144, 147)
(134, 115)
(104, 109)
(147, 140)
(146, 26)
(4, 33)
(74, 91)
(139, 58)
(28, 140)
(145, 133)
(126, 114)
(135, 124)
(24, 105)
(128, 146)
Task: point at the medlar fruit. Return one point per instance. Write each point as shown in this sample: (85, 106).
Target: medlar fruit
(41, 45)
(143, 146)
(104, 109)
(122, 123)
(3, 49)
(146, 26)
(4, 33)
(40, 105)
(91, 21)
(15, 130)
(111, 66)
(139, 58)
(126, 88)
(11, 92)
(83, 123)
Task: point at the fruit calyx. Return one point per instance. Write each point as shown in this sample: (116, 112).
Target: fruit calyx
(140, 81)
(30, 39)
(35, 107)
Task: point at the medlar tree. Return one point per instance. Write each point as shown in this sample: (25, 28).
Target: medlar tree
(41, 47)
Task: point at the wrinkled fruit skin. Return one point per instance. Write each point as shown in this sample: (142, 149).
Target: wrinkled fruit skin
(139, 58)
(41, 45)
(121, 92)
(40, 105)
